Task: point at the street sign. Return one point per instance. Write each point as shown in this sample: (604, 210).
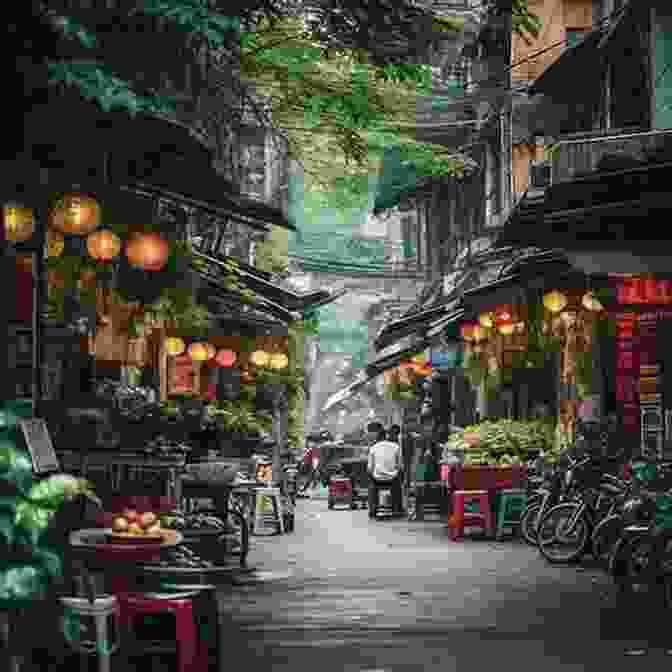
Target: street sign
(446, 358)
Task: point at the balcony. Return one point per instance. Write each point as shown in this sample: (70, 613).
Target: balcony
(607, 150)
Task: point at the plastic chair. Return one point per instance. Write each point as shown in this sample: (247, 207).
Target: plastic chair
(191, 653)
(512, 503)
(460, 519)
(268, 522)
(101, 609)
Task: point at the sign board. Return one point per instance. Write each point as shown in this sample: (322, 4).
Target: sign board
(446, 358)
(36, 434)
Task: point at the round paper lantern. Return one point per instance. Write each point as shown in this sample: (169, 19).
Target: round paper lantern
(76, 214)
(279, 361)
(260, 358)
(590, 302)
(226, 358)
(506, 328)
(174, 346)
(199, 352)
(555, 301)
(486, 320)
(19, 222)
(503, 314)
(148, 251)
(103, 245)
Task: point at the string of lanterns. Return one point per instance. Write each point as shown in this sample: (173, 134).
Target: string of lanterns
(79, 215)
(504, 322)
(203, 352)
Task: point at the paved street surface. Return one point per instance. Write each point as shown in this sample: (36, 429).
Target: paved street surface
(346, 594)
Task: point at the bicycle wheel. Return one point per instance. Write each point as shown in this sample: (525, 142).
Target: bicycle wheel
(555, 544)
(236, 539)
(528, 522)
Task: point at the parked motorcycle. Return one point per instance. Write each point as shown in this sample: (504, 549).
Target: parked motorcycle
(566, 530)
(556, 488)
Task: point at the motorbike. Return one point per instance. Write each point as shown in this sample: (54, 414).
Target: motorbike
(557, 487)
(566, 531)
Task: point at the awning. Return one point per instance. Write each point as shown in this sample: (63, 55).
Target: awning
(149, 153)
(446, 327)
(344, 394)
(413, 323)
(390, 361)
(262, 285)
(606, 210)
(579, 69)
(261, 306)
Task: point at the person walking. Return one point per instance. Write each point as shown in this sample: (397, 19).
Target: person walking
(384, 468)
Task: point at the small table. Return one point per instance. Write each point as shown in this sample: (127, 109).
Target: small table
(92, 547)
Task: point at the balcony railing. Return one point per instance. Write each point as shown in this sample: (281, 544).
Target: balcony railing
(587, 153)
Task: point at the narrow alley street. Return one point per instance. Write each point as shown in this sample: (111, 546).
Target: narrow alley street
(396, 595)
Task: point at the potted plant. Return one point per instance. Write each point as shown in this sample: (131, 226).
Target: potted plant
(32, 539)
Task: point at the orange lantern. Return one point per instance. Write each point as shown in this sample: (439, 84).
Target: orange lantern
(148, 251)
(19, 222)
(226, 358)
(103, 245)
(76, 214)
(506, 327)
(200, 352)
(260, 358)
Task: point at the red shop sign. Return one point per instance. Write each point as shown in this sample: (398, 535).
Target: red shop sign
(644, 291)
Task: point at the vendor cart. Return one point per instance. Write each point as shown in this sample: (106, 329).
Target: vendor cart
(356, 470)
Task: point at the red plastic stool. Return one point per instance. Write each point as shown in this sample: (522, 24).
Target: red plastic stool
(190, 656)
(459, 519)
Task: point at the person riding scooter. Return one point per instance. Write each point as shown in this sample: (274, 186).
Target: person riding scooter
(385, 468)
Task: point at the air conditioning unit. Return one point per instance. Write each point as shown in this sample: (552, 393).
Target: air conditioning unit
(540, 174)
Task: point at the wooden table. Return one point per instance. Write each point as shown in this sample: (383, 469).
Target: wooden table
(116, 560)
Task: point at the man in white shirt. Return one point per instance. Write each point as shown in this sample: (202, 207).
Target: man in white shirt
(384, 467)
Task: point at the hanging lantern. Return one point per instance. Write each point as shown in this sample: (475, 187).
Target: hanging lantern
(76, 214)
(279, 361)
(260, 358)
(506, 327)
(486, 320)
(503, 314)
(590, 302)
(148, 251)
(226, 358)
(200, 352)
(174, 346)
(19, 222)
(555, 301)
(103, 245)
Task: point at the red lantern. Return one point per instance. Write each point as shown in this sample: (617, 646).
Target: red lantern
(226, 358)
(148, 251)
(503, 314)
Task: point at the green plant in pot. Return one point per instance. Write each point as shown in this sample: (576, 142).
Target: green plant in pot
(32, 545)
